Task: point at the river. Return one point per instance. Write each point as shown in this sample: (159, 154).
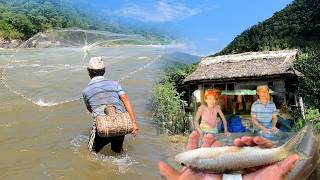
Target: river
(44, 125)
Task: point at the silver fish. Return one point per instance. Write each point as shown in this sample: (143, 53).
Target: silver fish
(237, 159)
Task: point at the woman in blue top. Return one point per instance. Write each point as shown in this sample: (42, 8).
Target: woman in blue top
(99, 93)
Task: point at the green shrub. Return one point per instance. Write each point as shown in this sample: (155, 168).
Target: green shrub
(167, 101)
(177, 74)
(168, 109)
(309, 85)
(312, 116)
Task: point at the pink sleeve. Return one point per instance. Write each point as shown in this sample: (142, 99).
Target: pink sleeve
(200, 109)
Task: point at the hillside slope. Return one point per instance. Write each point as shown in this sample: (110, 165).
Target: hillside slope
(296, 26)
(20, 19)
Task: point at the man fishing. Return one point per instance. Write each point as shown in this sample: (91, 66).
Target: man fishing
(99, 93)
(264, 112)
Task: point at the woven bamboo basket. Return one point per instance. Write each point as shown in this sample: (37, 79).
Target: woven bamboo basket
(114, 123)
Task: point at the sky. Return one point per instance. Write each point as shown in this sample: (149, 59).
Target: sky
(204, 26)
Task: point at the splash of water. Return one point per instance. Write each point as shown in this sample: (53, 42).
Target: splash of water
(40, 102)
(122, 163)
(77, 141)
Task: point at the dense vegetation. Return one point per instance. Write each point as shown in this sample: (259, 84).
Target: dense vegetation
(21, 19)
(296, 26)
(308, 64)
(167, 101)
(312, 116)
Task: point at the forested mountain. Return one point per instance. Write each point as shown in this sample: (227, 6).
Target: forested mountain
(296, 26)
(21, 19)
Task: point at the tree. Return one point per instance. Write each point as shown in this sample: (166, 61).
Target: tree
(309, 86)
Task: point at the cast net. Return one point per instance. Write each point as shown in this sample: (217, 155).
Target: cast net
(50, 68)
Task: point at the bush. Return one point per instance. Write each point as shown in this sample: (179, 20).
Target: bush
(312, 116)
(167, 101)
(309, 85)
(177, 74)
(168, 109)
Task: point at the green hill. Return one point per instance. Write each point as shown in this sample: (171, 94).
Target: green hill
(296, 26)
(20, 19)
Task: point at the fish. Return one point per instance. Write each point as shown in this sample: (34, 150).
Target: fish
(233, 159)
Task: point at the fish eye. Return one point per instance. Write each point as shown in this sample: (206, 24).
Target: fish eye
(182, 164)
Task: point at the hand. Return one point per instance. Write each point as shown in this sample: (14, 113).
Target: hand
(275, 171)
(186, 173)
(227, 133)
(135, 130)
(274, 129)
(265, 130)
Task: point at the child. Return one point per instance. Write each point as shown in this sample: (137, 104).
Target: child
(208, 114)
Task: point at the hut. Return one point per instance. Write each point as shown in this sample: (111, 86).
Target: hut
(237, 76)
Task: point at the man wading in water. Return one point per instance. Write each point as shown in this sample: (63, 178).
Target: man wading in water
(99, 93)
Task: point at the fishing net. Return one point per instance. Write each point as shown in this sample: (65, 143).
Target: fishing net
(50, 68)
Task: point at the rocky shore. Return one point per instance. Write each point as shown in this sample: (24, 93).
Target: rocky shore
(10, 43)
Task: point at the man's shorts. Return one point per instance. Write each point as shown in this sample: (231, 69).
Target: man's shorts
(100, 142)
(96, 143)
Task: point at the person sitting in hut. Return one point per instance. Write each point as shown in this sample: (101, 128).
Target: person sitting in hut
(99, 94)
(264, 112)
(208, 114)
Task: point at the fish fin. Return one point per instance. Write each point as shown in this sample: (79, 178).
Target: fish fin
(291, 146)
(295, 140)
(302, 156)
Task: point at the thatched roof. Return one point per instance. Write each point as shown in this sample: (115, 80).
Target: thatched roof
(245, 65)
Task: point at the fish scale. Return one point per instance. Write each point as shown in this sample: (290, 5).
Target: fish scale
(230, 161)
(236, 159)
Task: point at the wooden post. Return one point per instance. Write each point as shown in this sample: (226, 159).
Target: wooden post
(189, 94)
(302, 108)
(201, 88)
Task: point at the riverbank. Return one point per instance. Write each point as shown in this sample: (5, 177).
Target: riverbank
(10, 43)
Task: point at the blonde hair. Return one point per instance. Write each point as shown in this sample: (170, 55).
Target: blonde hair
(262, 86)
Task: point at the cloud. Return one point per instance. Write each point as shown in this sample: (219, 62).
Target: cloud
(160, 11)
